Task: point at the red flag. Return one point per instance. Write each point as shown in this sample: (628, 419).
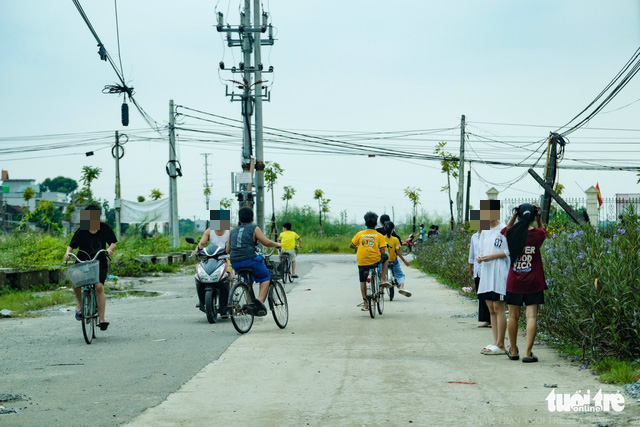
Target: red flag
(599, 195)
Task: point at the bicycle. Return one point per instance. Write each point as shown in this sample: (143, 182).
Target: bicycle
(394, 284)
(285, 267)
(375, 293)
(86, 274)
(241, 297)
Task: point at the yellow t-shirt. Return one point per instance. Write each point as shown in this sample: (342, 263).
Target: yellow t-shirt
(395, 246)
(369, 243)
(288, 239)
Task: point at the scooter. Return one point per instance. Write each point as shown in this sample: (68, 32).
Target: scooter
(409, 244)
(212, 281)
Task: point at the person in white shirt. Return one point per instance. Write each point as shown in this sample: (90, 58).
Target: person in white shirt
(494, 258)
(475, 270)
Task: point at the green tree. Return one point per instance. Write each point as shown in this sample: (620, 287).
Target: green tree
(28, 194)
(323, 206)
(413, 194)
(272, 171)
(225, 203)
(289, 192)
(45, 216)
(156, 194)
(89, 175)
(60, 184)
(450, 167)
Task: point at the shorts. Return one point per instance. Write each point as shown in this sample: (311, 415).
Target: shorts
(363, 271)
(526, 299)
(291, 252)
(260, 271)
(491, 296)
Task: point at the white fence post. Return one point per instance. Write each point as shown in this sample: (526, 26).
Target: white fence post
(592, 205)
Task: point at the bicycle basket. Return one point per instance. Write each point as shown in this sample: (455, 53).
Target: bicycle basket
(275, 268)
(84, 273)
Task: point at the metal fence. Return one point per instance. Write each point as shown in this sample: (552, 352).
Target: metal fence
(610, 211)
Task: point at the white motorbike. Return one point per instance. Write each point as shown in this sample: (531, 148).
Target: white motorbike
(212, 281)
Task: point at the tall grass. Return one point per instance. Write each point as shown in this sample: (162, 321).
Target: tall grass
(593, 300)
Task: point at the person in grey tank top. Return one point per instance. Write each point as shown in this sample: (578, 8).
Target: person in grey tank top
(242, 245)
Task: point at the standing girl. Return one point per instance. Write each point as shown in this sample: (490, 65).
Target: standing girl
(474, 271)
(525, 283)
(494, 257)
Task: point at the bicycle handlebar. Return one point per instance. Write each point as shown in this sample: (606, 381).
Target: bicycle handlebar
(95, 256)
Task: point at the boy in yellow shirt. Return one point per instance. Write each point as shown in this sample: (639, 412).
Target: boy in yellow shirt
(394, 252)
(371, 246)
(288, 239)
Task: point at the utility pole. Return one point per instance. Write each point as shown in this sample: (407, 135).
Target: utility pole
(466, 209)
(207, 189)
(117, 203)
(460, 195)
(549, 176)
(173, 170)
(253, 92)
(257, 59)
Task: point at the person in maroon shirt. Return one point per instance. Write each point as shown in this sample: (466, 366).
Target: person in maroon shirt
(526, 282)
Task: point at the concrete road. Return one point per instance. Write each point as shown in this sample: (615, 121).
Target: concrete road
(418, 364)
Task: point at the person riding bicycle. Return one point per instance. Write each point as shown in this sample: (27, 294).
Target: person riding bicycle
(92, 236)
(288, 239)
(371, 247)
(393, 245)
(241, 246)
(384, 218)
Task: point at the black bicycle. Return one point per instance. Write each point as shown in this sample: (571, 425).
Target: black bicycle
(375, 293)
(86, 274)
(285, 267)
(241, 299)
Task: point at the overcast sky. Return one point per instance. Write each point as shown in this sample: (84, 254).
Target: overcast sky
(347, 70)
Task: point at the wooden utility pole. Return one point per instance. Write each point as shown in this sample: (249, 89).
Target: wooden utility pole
(549, 176)
(173, 171)
(118, 194)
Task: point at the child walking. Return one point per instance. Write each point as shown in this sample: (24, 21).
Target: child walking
(526, 282)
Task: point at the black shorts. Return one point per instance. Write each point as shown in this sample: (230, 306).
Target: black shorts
(491, 296)
(526, 299)
(363, 271)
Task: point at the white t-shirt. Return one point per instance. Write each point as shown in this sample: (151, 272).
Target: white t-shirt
(495, 272)
(474, 251)
(220, 241)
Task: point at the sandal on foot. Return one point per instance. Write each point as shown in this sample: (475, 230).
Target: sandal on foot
(404, 292)
(365, 306)
(103, 326)
(529, 359)
(513, 356)
(78, 315)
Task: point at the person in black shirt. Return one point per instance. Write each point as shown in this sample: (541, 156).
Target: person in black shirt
(92, 236)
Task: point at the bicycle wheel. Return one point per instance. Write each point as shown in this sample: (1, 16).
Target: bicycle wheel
(241, 316)
(88, 319)
(289, 275)
(392, 289)
(372, 299)
(380, 301)
(405, 249)
(210, 297)
(278, 304)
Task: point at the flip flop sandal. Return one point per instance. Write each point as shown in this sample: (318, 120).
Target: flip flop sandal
(529, 359)
(103, 326)
(78, 315)
(512, 356)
